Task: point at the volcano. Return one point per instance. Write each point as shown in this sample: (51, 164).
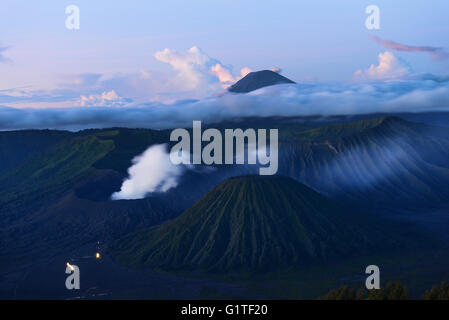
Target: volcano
(248, 223)
(256, 80)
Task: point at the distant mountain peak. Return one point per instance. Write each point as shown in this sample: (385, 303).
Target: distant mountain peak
(258, 79)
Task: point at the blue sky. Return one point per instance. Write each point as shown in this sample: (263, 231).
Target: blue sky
(326, 40)
(118, 53)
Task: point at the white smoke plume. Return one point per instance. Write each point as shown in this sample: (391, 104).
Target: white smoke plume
(152, 171)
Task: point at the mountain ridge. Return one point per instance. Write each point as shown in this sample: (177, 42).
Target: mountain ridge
(258, 79)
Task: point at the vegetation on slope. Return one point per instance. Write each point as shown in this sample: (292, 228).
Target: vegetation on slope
(250, 222)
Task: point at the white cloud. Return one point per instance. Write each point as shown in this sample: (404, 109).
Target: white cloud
(196, 70)
(109, 98)
(389, 67)
(191, 66)
(244, 71)
(223, 75)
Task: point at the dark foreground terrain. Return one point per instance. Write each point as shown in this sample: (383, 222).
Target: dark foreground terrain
(350, 192)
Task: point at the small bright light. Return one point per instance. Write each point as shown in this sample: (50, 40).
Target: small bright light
(97, 255)
(70, 266)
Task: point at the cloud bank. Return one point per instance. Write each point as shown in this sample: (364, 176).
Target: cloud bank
(151, 172)
(388, 87)
(435, 52)
(413, 93)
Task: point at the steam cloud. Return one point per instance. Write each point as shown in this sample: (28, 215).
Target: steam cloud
(151, 171)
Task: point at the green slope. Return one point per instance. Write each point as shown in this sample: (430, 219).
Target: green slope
(341, 130)
(55, 164)
(17, 146)
(57, 198)
(250, 222)
(385, 161)
(52, 171)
